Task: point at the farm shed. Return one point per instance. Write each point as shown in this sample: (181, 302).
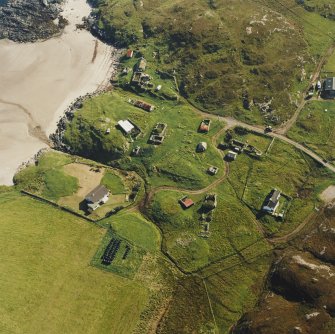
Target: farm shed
(230, 156)
(204, 125)
(328, 88)
(125, 126)
(202, 147)
(186, 202)
(130, 53)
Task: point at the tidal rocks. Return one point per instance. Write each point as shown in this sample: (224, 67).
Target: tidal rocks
(31, 20)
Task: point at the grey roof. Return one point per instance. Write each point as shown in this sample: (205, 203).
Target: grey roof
(329, 84)
(97, 194)
(202, 145)
(273, 200)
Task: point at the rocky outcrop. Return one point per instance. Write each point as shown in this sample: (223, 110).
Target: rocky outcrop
(300, 297)
(31, 20)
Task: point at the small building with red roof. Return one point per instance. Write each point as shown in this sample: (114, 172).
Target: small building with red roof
(204, 125)
(130, 53)
(186, 202)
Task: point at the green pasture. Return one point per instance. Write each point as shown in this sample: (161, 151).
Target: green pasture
(48, 283)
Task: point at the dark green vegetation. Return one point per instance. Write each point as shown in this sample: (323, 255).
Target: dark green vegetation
(315, 128)
(323, 7)
(230, 56)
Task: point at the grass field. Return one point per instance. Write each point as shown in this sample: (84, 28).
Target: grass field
(113, 182)
(49, 285)
(127, 260)
(137, 229)
(286, 169)
(315, 128)
(238, 288)
(232, 230)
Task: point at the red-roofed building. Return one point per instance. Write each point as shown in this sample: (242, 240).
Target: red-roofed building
(144, 105)
(130, 53)
(204, 125)
(186, 202)
(203, 128)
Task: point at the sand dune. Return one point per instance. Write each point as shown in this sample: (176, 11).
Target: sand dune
(39, 80)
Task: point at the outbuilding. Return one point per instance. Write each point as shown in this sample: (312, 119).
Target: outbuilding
(126, 126)
(328, 88)
(186, 202)
(201, 147)
(231, 155)
(130, 53)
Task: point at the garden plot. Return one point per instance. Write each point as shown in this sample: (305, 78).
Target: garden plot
(118, 255)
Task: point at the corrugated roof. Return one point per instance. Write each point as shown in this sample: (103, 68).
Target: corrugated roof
(329, 84)
(125, 125)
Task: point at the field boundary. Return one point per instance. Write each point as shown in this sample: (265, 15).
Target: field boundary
(63, 208)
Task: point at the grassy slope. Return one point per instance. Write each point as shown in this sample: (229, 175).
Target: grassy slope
(113, 182)
(175, 159)
(232, 230)
(49, 286)
(138, 230)
(216, 60)
(47, 178)
(316, 128)
(286, 169)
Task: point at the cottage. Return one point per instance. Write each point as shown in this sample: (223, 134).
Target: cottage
(98, 196)
(272, 201)
(130, 53)
(328, 88)
(201, 147)
(186, 202)
(230, 156)
(141, 65)
(126, 126)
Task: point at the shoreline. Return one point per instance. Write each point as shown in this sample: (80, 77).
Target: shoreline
(39, 82)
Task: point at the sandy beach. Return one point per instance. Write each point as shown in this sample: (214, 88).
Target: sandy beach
(39, 80)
